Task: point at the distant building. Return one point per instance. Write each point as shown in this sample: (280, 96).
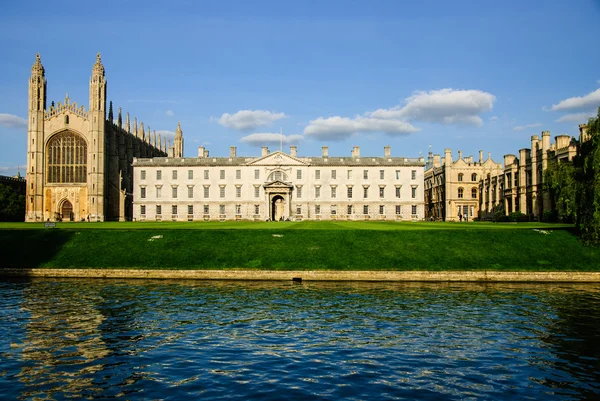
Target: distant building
(279, 186)
(17, 183)
(78, 160)
(520, 186)
(452, 187)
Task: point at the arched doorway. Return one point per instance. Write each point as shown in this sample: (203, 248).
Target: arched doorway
(66, 210)
(277, 208)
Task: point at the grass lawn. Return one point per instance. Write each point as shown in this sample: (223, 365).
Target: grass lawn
(324, 245)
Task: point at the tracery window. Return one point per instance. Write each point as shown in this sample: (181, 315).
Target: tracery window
(67, 159)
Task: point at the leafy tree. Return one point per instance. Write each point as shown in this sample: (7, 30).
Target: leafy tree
(588, 201)
(12, 204)
(561, 183)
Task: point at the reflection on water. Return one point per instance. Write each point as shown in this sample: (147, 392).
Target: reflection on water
(100, 339)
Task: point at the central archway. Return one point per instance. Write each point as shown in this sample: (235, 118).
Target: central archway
(66, 210)
(277, 208)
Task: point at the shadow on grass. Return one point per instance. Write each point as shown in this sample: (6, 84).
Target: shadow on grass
(24, 249)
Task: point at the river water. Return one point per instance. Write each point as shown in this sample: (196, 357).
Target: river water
(219, 340)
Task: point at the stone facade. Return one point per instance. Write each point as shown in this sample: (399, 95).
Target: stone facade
(78, 160)
(519, 187)
(452, 187)
(278, 186)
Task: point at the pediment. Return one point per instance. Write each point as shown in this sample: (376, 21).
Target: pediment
(278, 184)
(277, 159)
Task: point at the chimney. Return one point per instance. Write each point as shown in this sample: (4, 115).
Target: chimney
(325, 151)
(489, 155)
(481, 156)
(447, 156)
(265, 151)
(459, 154)
(356, 151)
(232, 151)
(436, 160)
(387, 151)
(206, 153)
(293, 151)
(200, 151)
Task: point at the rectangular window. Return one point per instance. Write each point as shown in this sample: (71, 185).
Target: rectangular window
(299, 192)
(349, 192)
(238, 174)
(190, 192)
(414, 209)
(333, 174)
(174, 192)
(256, 174)
(174, 209)
(206, 174)
(206, 192)
(349, 209)
(381, 209)
(143, 210)
(317, 209)
(222, 191)
(238, 209)
(365, 209)
(256, 209)
(298, 209)
(256, 192)
(365, 192)
(366, 174)
(174, 174)
(398, 192)
(238, 192)
(158, 192)
(317, 174)
(159, 174)
(190, 209)
(317, 192)
(206, 209)
(413, 174)
(222, 174)
(333, 210)
(142, 192)
(158, 210)
(349, 174)
(142, 174)
(397, 174)
(381, 192)
(299, 174)
(414, 192)
(333, 192)
(190, 174)
(221, 209)
(381, 174)
(398, 209)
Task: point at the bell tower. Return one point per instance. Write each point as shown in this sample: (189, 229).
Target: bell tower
(34, 209)
(97, 142)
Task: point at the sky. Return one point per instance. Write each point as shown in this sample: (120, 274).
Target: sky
(465, 75)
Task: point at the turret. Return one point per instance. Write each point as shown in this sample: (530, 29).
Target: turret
(35, 142)
(178, 141)
(97, 116)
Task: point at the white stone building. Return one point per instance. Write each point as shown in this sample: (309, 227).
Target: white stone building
(278, 186)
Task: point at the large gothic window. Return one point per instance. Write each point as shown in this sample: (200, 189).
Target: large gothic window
(67, 159)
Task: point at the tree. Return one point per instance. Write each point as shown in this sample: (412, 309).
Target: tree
(12, 204)
(561, 183)
(588, 175)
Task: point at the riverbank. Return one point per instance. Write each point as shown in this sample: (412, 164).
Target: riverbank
(310, 246)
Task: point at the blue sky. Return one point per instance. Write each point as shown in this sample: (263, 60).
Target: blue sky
(465, 75)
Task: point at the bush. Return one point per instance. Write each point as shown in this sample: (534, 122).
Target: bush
(517, 216)
(550, 216)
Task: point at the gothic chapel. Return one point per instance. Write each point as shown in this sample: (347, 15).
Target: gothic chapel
(79, 161)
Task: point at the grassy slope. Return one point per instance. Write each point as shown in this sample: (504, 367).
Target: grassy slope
(307, 245)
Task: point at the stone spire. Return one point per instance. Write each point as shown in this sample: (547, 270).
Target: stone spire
(98, 68)
(127, 123)
(120, 119)
(178, 142)
(147, 136)
(37, 68)
(110, 112)
(135, 127)
(142, 133)
(154, 138)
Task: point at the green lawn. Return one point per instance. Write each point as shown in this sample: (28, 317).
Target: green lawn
(298, 246)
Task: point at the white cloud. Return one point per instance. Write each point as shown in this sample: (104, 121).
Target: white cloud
(444, 106)
(11, 121)
(249, 119)
(170, 113)
(339, 128)
(526, 126)
(494, 118)
(265, 138)
(576, 117)
(591, 100)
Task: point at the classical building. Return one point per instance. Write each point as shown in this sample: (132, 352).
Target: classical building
(519, 187)
(78, 160)
(452, 187)
(278, 186)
